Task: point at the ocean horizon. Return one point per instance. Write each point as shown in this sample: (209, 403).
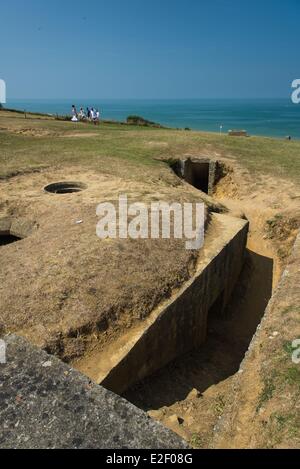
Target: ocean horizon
(264, 117)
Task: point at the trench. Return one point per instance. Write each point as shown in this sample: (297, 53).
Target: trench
(229, 335)
(168, 391)
(232, 321)
(8, 239)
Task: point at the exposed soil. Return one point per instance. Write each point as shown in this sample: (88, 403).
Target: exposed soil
(71, 295)
(65, 289)
(190, 394)
(101, 360)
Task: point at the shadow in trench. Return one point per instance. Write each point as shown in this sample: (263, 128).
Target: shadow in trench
(8, 239)
(228, 339)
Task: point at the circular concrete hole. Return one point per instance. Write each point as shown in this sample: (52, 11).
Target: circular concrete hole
(65, 187)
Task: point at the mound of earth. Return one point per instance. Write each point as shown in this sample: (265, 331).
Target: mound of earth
(64, 288)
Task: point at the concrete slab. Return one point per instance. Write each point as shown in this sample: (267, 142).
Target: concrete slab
(46, 404)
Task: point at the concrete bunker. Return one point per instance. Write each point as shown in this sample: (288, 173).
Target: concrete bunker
(179, 324)
(65, 187)
(202, 172)
(175, 325)
(15, 229)
(197, 174)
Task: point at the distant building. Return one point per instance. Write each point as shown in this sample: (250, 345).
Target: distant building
(237, 133)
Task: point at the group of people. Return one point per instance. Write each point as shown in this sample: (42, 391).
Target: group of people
(90, 114)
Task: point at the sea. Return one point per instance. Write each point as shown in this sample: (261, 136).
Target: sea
(265, 117)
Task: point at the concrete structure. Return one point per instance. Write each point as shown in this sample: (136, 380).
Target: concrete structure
(237, 133)
(85, 313)
(199, 172)
(19, 227)
(180, 324)
(46, 404)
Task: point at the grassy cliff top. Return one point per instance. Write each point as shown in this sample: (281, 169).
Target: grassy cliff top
(37, 141)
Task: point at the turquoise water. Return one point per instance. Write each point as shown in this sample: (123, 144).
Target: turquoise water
(275, 118)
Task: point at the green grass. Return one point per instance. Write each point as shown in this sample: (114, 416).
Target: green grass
(292, 375)
(288, 348)
(289, 309)
(220, 405)
(196, 441)
(268, 391)
(136, 146)
(282, 427)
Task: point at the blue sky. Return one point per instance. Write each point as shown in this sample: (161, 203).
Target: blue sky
(156, 49)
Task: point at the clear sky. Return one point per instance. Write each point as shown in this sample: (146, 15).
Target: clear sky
(149, 49)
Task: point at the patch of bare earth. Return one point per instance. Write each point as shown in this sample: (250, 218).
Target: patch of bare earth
(191, 394)
(65, 289)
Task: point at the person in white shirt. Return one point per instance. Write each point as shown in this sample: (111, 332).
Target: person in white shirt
(74, 114)
(81, 114)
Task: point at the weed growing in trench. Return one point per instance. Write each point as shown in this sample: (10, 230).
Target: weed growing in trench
(220, 405)
(196, 441)
(292, 375)
(267, 393)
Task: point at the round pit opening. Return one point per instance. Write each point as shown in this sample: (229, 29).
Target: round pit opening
(66, 187)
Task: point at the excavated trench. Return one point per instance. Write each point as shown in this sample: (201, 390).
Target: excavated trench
(153, 367)
(167, 333)
(229, 331)
(229, 336)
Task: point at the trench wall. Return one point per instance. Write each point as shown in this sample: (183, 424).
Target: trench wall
(251, 416)
(182, 324)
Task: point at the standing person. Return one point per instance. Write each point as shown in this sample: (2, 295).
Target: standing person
(88, 113)
(74, 113)
(81, 114)
(93, 115)
(98, 116)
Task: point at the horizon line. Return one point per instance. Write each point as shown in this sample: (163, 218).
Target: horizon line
(144, 99)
